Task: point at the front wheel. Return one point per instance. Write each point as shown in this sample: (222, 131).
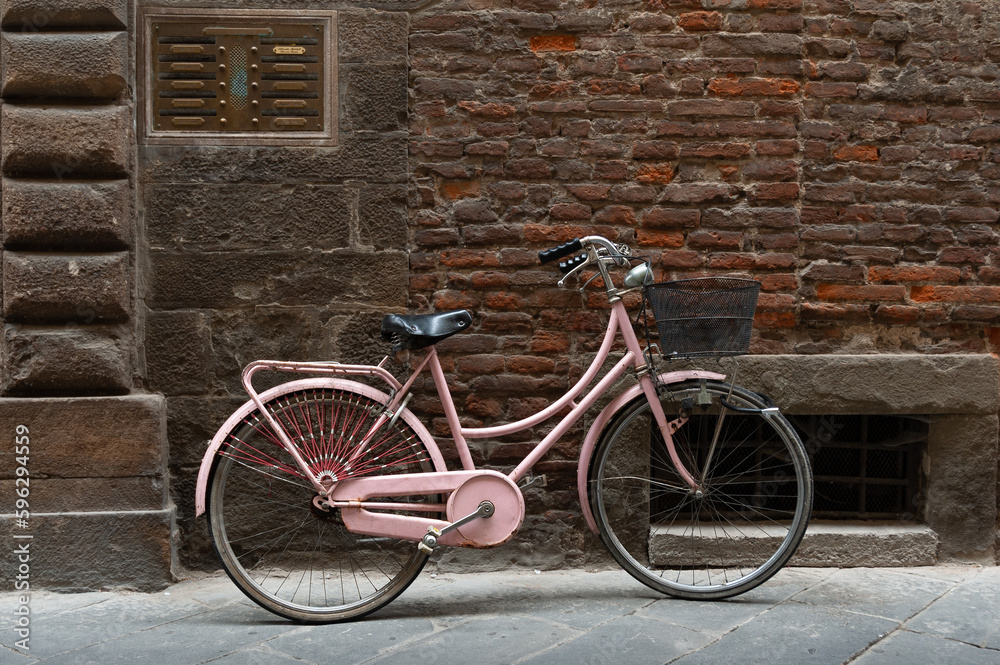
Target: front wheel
(746, 518)
(283, 551)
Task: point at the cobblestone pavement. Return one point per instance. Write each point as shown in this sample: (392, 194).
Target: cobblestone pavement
(944, 614)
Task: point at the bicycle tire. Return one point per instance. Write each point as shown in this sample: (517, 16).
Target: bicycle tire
(285, 554)
(755, 503)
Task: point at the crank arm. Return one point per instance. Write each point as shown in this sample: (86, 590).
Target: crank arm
(429, 542)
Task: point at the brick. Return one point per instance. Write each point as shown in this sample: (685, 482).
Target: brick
(862, 292)
(827, 272)
(494, 110)
(659, 238)
(966, 294)
(67, 216)
(625, 106)
(897, 314)
(557, 107)
(856, 153)
(751, 87)
(459, 189)
(716, 150)
(52, 288)
(678, 258)
(698, 21)
(612, 87)
(775, 191)
(658, 174)
(655, 150)
(552, 43)
(774, 4)
(615, 215)
(530, 365)
(829, 312)
(766, 45)
(776, 148)
(640, 62)
(480, 363)
(697, 193)
(823, 90)
(66, 142)
(453, 41)
(589, 192)
(714, 240)
(570, 211)
(710, 107)
(774, 320)
(527, 168)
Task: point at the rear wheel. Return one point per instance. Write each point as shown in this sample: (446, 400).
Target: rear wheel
(281, 550)
(746, 520)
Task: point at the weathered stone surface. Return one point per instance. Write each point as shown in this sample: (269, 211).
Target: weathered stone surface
(80, 288)
(371, 36)
(66, 361)
(60, 495)
(888, 383)
(375, 98)
(198, 217)
(67, 216)
(382, 221)
(179, 357)
(66, 142)
(962, 477)
(88, 437)
(83, 65)
(379, 158)
(36, 15)
(825, 544)
(90, 551)
(866, 544)
(228, 279)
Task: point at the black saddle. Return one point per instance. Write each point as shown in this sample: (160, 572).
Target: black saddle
(415, 331)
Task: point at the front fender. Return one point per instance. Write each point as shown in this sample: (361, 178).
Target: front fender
(323, 382)
(594, 433)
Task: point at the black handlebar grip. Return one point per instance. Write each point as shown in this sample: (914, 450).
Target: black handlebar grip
(566, 266)
(548, 255)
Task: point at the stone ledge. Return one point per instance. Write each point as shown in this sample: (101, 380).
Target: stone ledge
(54, 216)
(57, 65)
(57, 288)
(88, 437)
(870, 544)
(54, 495)
(76, 552)
(878, 383)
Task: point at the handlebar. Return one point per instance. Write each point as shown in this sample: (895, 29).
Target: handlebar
(565, 249)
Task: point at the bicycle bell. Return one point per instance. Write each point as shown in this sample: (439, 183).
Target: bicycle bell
(640, 275)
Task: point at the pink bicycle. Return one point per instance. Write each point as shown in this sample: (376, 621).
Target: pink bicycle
(325, 495)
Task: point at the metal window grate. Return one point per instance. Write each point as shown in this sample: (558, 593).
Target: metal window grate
(865, 466)
(238, 77)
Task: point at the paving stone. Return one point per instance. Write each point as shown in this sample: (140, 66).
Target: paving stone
(14, 656)
(968, 613)
(719, 617)
(260, 657)
(795, 634)
(887, 594)
(497, 639)
(193, 639)
(906, 648)
(628, 639)
(351, 642)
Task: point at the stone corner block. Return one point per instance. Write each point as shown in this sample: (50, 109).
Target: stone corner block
(89, 437)
(66, 361)
(66, 142)
(98, 551)
(53, 216)
(81, 65)
(60, 288)
(370, 36)
(36, 15)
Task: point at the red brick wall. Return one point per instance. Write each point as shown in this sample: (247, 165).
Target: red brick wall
(844, 153)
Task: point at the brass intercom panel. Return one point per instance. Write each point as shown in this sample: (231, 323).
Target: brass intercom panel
(229, 77)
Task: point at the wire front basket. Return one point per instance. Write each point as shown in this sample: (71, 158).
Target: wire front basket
(709, 316)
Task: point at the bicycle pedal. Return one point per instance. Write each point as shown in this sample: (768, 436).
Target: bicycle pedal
(534, 481)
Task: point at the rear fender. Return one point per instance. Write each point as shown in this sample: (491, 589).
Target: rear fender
(594, 433)
(323, 382)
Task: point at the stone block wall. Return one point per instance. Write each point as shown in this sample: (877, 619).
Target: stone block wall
(290, 253)
(68, 355)
(842, 152)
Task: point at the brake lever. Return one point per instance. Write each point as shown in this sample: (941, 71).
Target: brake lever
(562, 282)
